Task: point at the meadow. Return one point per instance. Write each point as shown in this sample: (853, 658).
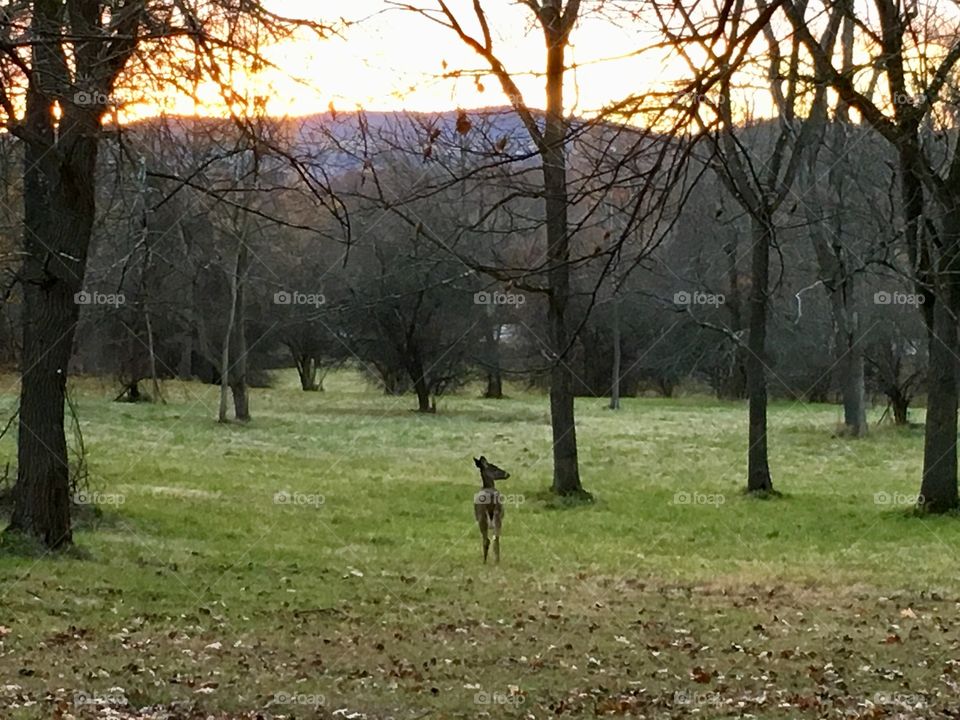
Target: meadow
(323, 561)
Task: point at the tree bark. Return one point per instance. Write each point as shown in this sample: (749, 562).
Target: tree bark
(238, 373)
(734, 386)
(307, 370)
(938, 490)
(494, 376)
(423, 396)
(617, 358)
(59, 211)
(758, 469)
(566, 471)
(225, 351)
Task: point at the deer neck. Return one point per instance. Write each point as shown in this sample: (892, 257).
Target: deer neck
(487, 482)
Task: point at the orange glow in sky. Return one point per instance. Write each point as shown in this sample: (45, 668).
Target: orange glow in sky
(391, 59)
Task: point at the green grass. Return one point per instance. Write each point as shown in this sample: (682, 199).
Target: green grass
(673, 594)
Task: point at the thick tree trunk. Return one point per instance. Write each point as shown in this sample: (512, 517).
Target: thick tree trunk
(854, 394)
(901, 406)
(938, 491)
(42, 494)
(59, 210)
(566, 471)
(423, 396)
(758, 469)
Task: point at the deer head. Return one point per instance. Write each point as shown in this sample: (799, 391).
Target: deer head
(489, 472)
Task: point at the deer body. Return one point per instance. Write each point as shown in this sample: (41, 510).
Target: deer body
(488, 506)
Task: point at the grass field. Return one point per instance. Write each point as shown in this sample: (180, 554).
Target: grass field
(323, 562)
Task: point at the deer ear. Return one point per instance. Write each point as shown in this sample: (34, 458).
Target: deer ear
(476, 462)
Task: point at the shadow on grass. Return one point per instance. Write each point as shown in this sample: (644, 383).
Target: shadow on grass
(551, 501)
(83, 518)
(18, 545)
(765, 494)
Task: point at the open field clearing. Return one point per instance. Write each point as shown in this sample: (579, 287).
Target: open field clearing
(325, 558)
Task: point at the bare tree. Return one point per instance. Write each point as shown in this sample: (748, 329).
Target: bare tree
(71, 55)
(906, 43)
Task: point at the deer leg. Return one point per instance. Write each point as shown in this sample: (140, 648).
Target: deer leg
(496, 539)
(486, 540)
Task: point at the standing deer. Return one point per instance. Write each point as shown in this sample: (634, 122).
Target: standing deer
(488, 505)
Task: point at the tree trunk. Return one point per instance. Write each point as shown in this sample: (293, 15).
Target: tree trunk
(938, 491)
(307, 370)
(566, 472)
(59, 210)
(494, 376)
(423, 396)
(238, 373)
(758, 470)
(42, 494)
(734, 386)
(615, 383)
(854, 394)
(225, 352)
(901, 405)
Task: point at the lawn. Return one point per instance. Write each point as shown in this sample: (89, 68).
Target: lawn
(323, 562)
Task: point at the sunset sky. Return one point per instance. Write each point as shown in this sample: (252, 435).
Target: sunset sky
(390, 59)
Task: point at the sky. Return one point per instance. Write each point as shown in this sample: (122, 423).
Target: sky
(389, 59)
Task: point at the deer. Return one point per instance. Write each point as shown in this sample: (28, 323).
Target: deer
(488, 506)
